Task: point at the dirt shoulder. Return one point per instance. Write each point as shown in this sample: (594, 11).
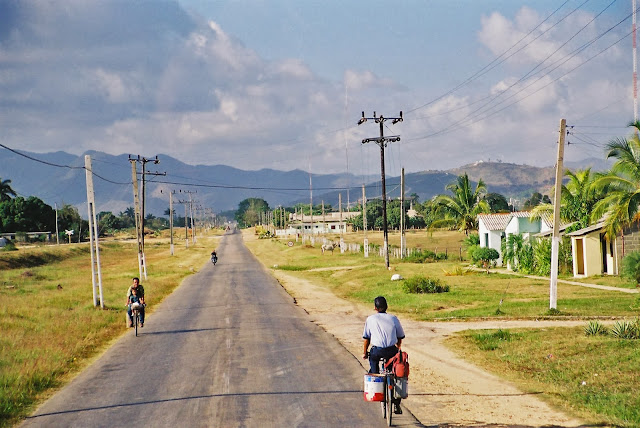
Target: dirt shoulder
(444, 389)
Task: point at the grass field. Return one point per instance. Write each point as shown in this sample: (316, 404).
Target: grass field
(50, 332)
(50, 328)
(553, 362)
(472, 295)
(595, 377)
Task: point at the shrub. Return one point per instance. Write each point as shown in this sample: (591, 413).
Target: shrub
(422, 285)
(471, 240)
(542, 257)
(486, 256)
(292, 268)
(421, 256)
(631, 266)
(458, 271)
(626, 329)
(10, 246)
(471, 252)
(594, 328)
(492, 340)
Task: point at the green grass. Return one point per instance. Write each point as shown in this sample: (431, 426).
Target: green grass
(50, 328)
(475, 295)
(556, 361)
(552, 362)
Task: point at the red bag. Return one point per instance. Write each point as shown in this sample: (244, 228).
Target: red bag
(399, 364)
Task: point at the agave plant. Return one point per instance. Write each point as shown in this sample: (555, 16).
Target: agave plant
(594, 328)
(626, 330)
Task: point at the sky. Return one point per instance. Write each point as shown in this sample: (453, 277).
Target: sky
(282, 84)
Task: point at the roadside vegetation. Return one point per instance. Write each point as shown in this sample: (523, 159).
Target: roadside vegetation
(552, 362)
(594, 377)
(50, 328)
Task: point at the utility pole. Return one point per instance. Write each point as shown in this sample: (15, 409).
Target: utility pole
(93, 235)
(144, 161)
(57, 233)
(364, 223)
(324, 225)
(190, 202)
(139, 202)
(136, 206)
(311, 202)
(171, 192)
(341, 225)
(382, 141)
(402, 225)
(555, 241)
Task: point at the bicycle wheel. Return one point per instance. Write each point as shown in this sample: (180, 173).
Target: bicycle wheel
(389, 398)
(383, 403)
(137, 317)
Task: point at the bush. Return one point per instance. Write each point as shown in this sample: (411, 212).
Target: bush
(486, 256)
(422, 285)
(594, 328)
(421, 256)
(626, 329)
(631, 266)
(10, 246)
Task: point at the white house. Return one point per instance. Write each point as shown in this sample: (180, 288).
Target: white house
(333, 222)
(491, 230)
(495, 228)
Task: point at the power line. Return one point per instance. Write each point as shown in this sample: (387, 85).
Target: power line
(490, 67)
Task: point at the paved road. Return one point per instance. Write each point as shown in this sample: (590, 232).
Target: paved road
(228, 348)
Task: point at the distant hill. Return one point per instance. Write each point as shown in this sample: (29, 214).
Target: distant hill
(59, 178)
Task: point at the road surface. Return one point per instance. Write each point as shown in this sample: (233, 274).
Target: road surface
(229, 348)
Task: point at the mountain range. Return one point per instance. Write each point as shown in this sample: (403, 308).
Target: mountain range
(59, 178)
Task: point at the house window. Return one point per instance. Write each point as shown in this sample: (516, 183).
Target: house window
(486, 239)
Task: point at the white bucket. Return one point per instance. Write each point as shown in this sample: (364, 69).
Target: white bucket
(373, 387)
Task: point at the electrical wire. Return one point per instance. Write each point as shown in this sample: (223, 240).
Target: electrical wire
(490, 66)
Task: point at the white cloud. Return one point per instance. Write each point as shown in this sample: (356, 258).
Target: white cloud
(356, 80)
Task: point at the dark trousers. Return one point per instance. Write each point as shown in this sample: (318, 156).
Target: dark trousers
(376, 354)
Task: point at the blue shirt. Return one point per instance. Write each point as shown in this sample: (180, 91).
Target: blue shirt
(383, 330)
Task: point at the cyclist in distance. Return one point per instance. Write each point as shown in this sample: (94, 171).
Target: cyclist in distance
(140, 296)
(384, 333)
(214, 257)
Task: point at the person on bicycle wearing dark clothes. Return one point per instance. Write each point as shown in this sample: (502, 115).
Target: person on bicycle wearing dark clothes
(140, 296)
(384, 333)
(214, 256)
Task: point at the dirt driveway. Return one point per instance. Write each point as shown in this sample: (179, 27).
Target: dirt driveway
(444, 390)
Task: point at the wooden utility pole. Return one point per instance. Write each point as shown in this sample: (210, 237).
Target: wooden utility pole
(96, 275)
(382, 142)
(402, 225)
(555, 240)
(136, 207)
(364, 223)
(171, 221)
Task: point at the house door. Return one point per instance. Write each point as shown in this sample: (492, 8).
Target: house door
(603, 250)
(579, 256)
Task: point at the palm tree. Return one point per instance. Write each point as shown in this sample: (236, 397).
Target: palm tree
(578, 198)
(463, 207)
(622, 201)
(6, 192)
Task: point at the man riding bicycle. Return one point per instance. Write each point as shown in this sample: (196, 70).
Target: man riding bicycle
(214, 257)
(140, 298)
(384, 332)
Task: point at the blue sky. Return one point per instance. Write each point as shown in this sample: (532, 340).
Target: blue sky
(281, 84)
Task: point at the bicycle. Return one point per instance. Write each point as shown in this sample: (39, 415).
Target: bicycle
(214, 260)
(135, 315)
(389, 398)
